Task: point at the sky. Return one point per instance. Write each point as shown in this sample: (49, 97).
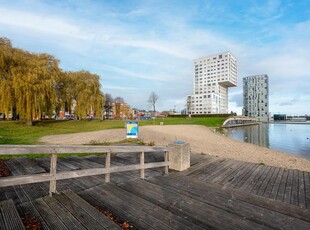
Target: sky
(140, 46)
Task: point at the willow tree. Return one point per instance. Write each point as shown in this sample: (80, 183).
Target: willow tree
(33, 84)
(84, 88)
(6, 78)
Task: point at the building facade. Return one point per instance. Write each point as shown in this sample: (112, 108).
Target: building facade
(213, 75)
(256, 97)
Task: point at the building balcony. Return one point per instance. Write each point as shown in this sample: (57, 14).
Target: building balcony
(227, 83)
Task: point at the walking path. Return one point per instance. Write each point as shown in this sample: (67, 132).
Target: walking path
(202, 140)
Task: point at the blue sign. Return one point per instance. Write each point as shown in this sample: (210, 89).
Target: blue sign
(132, 129)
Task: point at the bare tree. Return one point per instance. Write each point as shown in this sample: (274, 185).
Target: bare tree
(188, 104)
(108, 100)
(119, 100)
(152, 100)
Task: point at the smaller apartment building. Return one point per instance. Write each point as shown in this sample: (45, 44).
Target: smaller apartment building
(256, 97)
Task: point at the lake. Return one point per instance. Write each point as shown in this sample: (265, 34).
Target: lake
(289, 138)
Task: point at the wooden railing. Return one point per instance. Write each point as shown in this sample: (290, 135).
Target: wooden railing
(54, 150)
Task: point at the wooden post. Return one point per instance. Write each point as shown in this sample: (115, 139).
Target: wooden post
(53, 171)
(142, 165)
(107, 166)
(166, 160)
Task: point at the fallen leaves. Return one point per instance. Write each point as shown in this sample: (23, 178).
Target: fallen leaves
(30, 222)
(123, 224)
(4, 171)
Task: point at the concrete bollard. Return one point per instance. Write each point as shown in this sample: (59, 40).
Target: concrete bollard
(179, 155)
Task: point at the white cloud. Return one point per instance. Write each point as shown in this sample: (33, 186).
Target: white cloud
(41, 24)
(133, 74)
(109, 87)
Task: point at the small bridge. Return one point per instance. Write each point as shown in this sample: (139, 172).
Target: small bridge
(239, 121)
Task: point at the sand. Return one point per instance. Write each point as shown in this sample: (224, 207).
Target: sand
(203, 140)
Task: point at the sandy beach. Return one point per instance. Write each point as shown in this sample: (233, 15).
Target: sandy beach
(203, 140)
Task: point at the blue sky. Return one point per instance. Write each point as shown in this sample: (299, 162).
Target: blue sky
(140, 46)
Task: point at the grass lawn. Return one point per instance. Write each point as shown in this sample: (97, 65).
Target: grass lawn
(16, 133)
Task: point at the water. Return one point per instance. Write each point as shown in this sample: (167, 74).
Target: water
(289, 138)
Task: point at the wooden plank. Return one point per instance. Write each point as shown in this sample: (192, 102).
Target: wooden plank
(15, 192)
(142, 164)
(281, 190)
(269, 186)
(205, 165)
(15, 167)
(201, 173)
(107, 201)
(26, 192)
(65, 161)
(232, 201)
(11, 194)
(53, 173)
(204, 161)
(26, 179)
(244, 174)
(278, 206)
(236, 174)
(80, 214)
(276, 185)
(47, 149)
(10, 215)
(250, 183)
(295, 187)
(229, 174)
(92, 211)
(107, 167)
(264, 182)
(301, 190)
(260, 179)
(219, 170)
(196, 211)
(267, 181)
(2, 194)
(307, 188)
(84, 163)
(62, 213)
(30, 165)
(29, 210)
(166, 159)
(2, 224)
(288, 187)
(250, 176)
(161, 215)
(65, 166)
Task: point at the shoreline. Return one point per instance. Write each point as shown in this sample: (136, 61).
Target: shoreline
(203, 140)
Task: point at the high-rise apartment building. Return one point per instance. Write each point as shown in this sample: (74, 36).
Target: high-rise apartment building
(256, 97)
(212, 77)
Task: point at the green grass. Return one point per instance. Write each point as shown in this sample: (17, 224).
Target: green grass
(206, 121)
(17, 133)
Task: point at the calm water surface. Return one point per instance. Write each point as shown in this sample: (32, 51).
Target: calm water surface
(290, 138)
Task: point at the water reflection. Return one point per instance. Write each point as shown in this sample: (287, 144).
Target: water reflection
(289, 138)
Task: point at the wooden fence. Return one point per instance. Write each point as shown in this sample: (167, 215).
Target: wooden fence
(54, 150)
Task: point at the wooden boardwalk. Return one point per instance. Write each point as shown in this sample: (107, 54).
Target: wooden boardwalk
(286, 185)
(214, 193)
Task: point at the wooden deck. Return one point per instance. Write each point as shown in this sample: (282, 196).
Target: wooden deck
(286, 185)
(214, 193)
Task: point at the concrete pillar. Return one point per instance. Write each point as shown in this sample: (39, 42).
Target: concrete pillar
(179, 155)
